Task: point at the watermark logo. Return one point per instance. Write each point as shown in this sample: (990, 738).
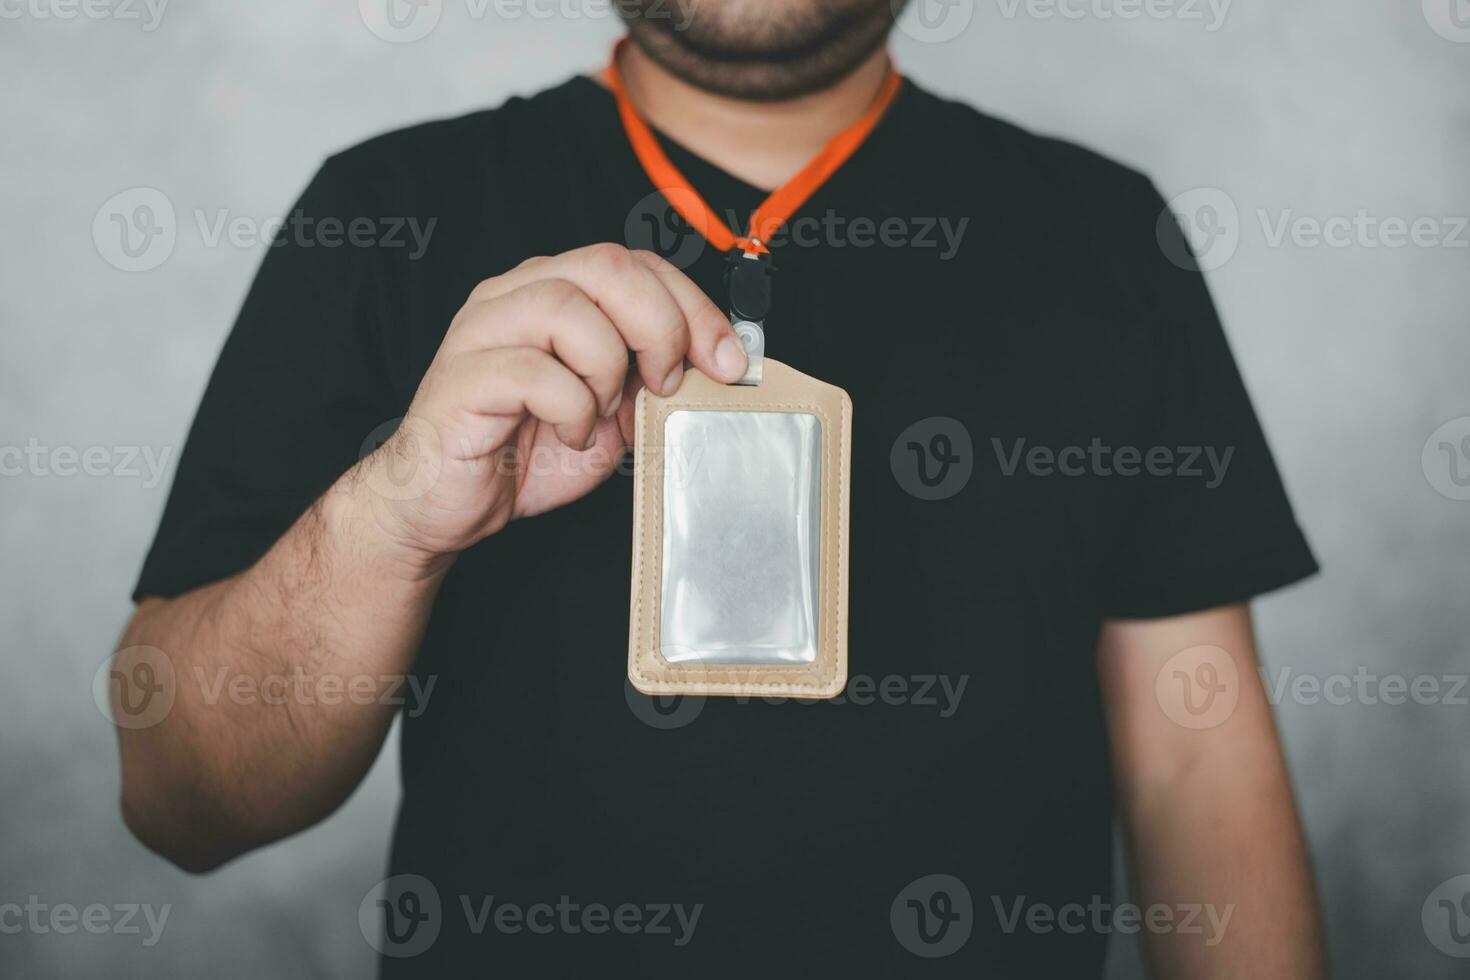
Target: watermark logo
(401, 21)
(1199, 230)
(1198, 687)
(405, 467)
(135, 230)
(932, 916)
(933, 21)
(401, 916)
(135, 688)
(1446, 917)
(933, 458)
(663, 711)
(1446, 459)
(1450, 19)
(655, 224)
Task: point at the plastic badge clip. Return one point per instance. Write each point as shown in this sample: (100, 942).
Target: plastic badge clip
(748, 280)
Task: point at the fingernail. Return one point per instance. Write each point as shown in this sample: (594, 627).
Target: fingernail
(671, 383)
(591, 439)
(730, 358)
(612, 406)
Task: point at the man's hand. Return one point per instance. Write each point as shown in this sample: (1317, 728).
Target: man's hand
(526, 407)
(1206, 804)
(528, 404)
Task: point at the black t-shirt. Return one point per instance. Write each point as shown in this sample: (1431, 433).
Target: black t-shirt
(1049, 430)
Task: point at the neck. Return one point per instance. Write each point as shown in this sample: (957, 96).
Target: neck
(762, 143)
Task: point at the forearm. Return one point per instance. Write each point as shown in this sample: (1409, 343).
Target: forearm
(534, 367)
(1206, 803)
(285, 681)
(1220, 843)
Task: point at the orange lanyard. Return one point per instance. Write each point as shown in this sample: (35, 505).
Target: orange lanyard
(777, 208)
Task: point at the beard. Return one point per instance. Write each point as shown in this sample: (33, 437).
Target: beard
(765, 50)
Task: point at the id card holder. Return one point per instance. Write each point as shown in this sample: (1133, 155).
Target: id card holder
(740, 531)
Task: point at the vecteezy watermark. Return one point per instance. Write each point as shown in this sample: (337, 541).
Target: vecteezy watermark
(1201, 230)
(304, 231)
(406, 21)
(1210, 13)
(941, 693)
(673, 920)
(400, 21)
(932, 916)
(655, 224)
(933, 21)
(1450, 19)
(135, 687)
(138, 686)
(137, 230)
(64, 919)
(1206, 463)
(1366, 687)
(1362, 229)
(297, 687)
(1445, 459)
(1205, 920)
(940, 235)
(1446, 916)
(933, 458)
(406, 467)
(679, 13)
(402, 916)
(409, 457)
(666, 712)
(147, 13)
(1198, 687)
(34, 459)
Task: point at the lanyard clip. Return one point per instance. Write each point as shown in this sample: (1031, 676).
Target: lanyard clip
(748, 279)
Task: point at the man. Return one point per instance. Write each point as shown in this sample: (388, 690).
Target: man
(1061, 502)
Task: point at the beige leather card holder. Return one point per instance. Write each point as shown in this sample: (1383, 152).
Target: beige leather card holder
(740, 531)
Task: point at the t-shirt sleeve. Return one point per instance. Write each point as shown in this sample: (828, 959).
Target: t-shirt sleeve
(1212, 526)
(298, 387)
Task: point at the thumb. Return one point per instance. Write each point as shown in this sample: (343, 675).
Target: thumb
(627, 406)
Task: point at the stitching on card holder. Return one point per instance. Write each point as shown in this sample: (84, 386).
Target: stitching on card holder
(783, 390)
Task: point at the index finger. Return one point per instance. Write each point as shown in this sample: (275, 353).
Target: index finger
(714, 347)
(660, 312)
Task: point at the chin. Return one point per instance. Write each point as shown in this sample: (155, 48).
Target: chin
(760, 49)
